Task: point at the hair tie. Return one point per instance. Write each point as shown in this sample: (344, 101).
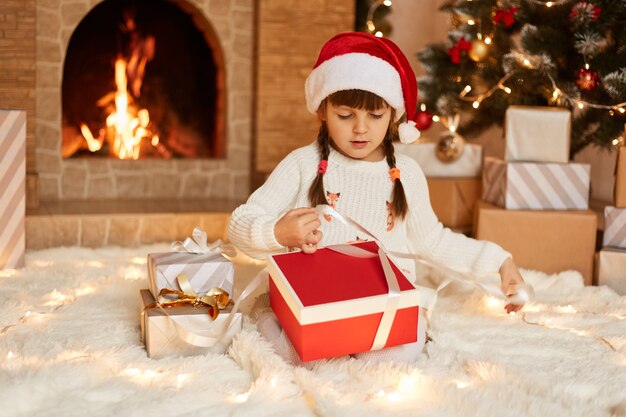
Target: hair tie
(321, 168)
(394, 173)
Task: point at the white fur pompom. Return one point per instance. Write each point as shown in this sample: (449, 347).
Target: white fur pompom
(408, 132)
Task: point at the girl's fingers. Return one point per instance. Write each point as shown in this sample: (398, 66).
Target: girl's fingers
(309, 248)
(313, 237)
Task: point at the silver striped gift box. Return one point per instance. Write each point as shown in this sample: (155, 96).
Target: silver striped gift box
(614, 227)
(536, 185)
(204, 271)
(12, 188)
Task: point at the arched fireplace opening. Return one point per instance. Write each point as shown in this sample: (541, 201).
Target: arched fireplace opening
(143, 79)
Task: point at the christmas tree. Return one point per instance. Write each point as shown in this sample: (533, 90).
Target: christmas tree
(564, 53)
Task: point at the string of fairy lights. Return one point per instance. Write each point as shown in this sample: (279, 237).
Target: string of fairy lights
(389, 391)
(371, 27)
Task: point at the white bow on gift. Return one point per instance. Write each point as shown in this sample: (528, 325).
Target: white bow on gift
(198, 244)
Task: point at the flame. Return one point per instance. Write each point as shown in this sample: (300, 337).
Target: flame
(127, 125)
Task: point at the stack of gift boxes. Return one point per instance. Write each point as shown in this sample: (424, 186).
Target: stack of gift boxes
(535, 203)
(454, 186)
(186, 309)
(611, 261)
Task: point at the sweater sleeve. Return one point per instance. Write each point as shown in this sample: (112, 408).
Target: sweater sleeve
(429, 238)
(251, 226)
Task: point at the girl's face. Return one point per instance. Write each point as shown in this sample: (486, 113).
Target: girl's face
(357, 133)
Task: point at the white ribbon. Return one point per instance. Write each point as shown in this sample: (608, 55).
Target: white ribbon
(196, 339)
(198, 244)
(524, 293)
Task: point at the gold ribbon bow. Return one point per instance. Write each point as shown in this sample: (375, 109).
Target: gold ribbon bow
(215, 299)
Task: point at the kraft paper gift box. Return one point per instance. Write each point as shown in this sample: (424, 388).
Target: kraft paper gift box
(550, 241)
(614, 227)
(469, 164)
(453, 199)
(620, 178)
(538, 134)
(331, 304)
(203, 271)
(536, 186)
(611, 269)
(161, 337)
(12, 188)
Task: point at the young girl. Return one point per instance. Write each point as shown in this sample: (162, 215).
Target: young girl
(359, 88)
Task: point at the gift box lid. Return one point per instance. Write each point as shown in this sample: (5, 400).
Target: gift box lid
(329, 285)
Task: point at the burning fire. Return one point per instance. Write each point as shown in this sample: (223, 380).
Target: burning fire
(127, 126)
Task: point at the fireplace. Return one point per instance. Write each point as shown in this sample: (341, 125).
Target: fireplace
(141, 79)
(174, 77)
(262, 52)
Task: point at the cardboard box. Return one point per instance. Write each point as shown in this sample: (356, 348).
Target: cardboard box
(537, 134)
(611, 269)
(620, 178)
(12, 188)
(453, 199)
(614, 227)
(331, 304)
(161, 337)
(536, 185)
(548, 241)
(204, 271)
(469, 164)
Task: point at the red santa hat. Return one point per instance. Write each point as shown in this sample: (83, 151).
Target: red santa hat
(360, 61)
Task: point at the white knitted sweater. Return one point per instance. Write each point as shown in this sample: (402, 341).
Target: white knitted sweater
(361, 190)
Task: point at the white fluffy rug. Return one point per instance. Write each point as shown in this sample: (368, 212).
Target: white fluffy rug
(70, 346)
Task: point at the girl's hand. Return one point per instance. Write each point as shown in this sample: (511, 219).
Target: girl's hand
(298, 228)
(510, 277)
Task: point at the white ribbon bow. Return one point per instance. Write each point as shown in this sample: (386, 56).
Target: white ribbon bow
(198, 244)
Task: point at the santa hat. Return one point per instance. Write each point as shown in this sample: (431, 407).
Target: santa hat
(360, 61)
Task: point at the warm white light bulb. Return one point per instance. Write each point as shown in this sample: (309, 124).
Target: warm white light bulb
(488, 40)
(423, 107)
(621, 110)
(467, 88)
(387, 3)
(507, 90)
(378, 34)
(581, 105)
(476, 104)
(526, 62)
(471, 22)
(549, 4)
(435, 118)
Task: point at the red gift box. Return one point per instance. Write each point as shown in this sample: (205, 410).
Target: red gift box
(331, 304)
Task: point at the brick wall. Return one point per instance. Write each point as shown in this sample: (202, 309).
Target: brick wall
(17, 70)
(290, 35)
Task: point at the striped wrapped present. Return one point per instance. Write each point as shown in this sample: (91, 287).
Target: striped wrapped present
(203, 271)
(614, 227)
(12, 188)
(536, 185)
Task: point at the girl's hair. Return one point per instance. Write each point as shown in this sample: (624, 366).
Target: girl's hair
(359, 99)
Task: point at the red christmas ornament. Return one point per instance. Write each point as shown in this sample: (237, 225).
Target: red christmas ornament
(587, 79)
(506, 16)
(423, 120)
(455, 51)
